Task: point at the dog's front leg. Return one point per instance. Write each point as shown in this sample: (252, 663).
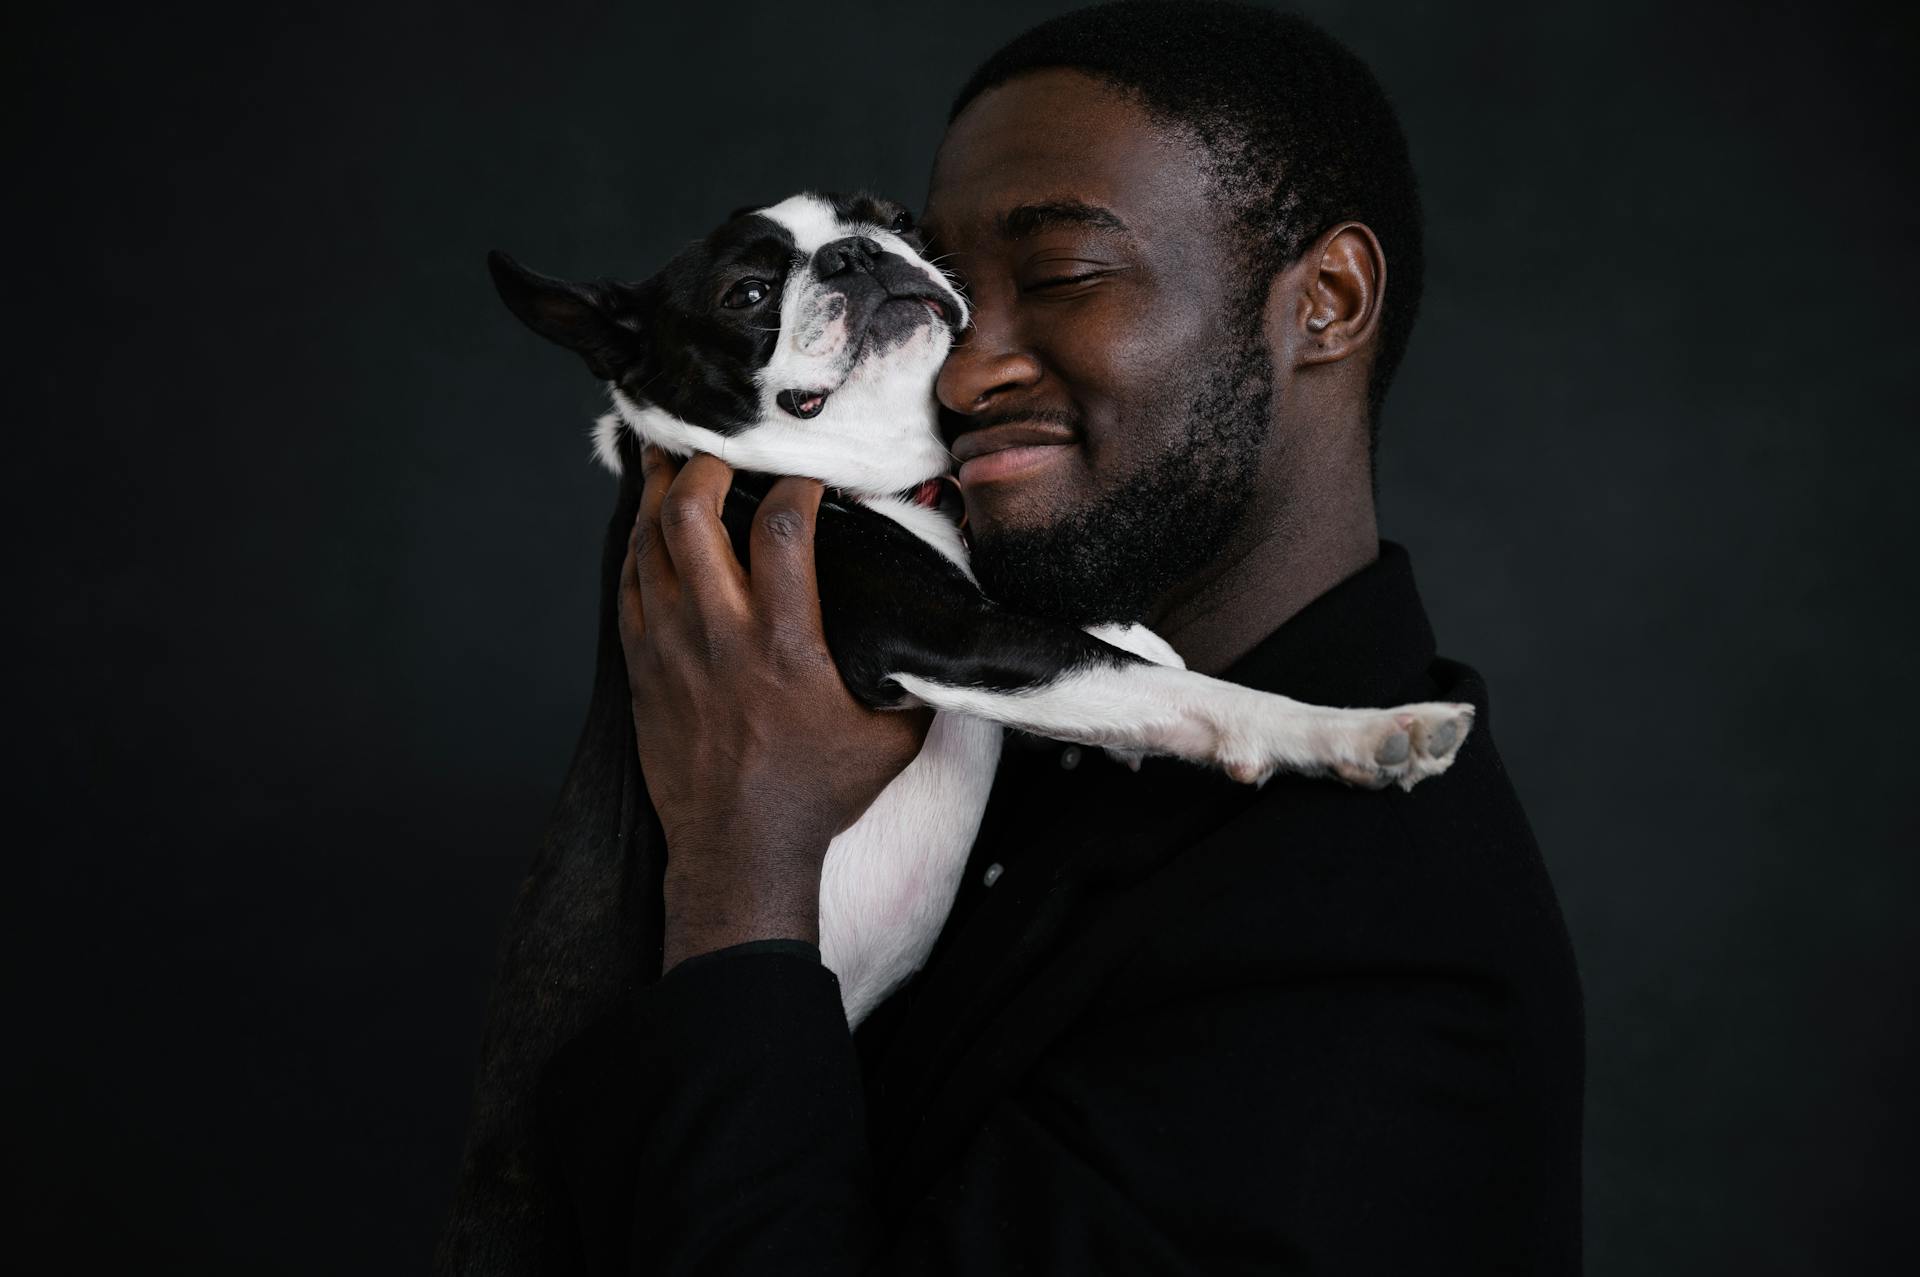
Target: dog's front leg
(1116, 699)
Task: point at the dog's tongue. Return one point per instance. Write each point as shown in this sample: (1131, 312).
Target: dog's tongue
(801, 403)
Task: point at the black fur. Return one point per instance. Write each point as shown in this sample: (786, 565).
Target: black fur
(661, 341)
(892, 604)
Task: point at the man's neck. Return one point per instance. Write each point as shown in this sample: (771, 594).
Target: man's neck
(1310, 537)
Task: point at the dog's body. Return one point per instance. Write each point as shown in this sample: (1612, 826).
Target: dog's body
(803, 339)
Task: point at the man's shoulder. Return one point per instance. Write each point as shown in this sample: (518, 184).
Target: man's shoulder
(1311, 870)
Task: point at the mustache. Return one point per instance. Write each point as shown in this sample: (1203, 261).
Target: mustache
(954, 424)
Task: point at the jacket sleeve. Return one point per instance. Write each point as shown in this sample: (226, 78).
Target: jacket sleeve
(1353, 1123)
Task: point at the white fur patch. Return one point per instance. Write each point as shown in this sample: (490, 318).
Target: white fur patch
(809, 219)
(1139, 640)
(890, 878)
(874, 455)
(606, 436)
(930, 526)
(1146, 645)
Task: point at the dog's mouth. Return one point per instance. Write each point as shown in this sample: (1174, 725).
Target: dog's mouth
(942, 311)
(804, 404)
(938, 307)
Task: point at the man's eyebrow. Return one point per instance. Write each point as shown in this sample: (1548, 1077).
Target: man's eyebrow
(1031, 219)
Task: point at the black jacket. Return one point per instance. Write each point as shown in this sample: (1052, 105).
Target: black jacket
(1190, 1027)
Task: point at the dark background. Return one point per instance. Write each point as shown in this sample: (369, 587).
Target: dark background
(308, 537)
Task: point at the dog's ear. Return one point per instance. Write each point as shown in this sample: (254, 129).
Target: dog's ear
(604, 323)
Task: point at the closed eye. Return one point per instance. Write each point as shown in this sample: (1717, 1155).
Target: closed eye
(1062, 281)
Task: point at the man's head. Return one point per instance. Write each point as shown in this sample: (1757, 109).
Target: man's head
(1174, 222)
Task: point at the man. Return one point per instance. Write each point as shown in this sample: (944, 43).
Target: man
(1173, 1024)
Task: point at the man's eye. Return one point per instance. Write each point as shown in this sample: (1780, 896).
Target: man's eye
(902, 222)
(748, 292)
(1062, 281)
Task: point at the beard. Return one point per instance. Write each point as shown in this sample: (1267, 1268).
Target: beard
(1116, 557)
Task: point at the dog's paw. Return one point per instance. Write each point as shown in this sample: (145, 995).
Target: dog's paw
(1402, 746)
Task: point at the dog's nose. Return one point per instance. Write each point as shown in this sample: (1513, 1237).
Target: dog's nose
(856, 252)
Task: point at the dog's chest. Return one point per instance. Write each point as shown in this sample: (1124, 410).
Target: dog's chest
(890, 878)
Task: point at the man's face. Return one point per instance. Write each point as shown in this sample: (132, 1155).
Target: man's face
(1110, 403)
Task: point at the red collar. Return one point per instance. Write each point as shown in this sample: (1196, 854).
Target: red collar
(942, 494)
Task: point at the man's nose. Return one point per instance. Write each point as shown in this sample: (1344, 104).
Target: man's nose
(856, 252)
(989, 363)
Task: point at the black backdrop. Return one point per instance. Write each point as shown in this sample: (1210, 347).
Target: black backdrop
(307, 532)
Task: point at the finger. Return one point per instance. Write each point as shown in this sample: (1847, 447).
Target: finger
(653, 567)
(703, 560)
(633, 613)
(781, 548)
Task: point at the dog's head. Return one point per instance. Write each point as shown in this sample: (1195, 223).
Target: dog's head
(800, 338)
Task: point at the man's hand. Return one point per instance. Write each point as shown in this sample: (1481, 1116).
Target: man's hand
(754, 752)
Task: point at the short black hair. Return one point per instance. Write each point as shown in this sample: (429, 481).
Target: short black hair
(1301, 134)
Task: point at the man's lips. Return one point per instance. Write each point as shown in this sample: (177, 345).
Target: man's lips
(1000, 451)
(1013, 434)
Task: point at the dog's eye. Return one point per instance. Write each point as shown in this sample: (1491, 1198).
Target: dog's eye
(902, 222)
(748, 292)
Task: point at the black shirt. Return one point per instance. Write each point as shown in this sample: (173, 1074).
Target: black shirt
(1173, 1025)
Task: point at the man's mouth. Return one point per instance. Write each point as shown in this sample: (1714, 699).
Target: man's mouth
(1000, 452)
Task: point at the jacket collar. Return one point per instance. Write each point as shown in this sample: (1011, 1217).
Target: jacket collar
(1360, 643)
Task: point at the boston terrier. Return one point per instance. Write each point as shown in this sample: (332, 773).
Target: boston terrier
(803, 338)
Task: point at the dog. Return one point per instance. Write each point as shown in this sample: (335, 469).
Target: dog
(803, 338)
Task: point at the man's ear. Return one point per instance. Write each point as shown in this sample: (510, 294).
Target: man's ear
(1343, 278)
(603, 323)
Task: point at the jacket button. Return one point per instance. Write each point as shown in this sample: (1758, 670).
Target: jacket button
(991, 876)
(1070, 758)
